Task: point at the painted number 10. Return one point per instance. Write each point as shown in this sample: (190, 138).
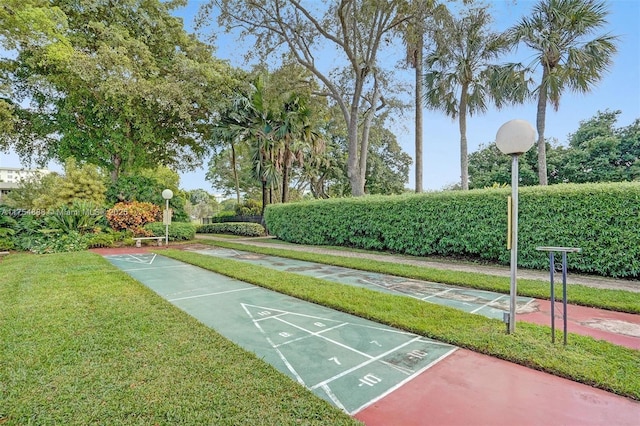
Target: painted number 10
(369, 380)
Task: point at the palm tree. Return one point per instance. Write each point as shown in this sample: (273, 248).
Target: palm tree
(294, 135)
(559, 32)
(461, 70)
(413, 33)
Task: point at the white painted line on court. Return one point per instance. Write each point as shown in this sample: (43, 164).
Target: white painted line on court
(128, 257)
(402, 383)
(404, 370)
(325, 338)
(334, 398)
(144, 260)
(280, 354)
(213, 294)
(286, 362)
(362, 364)
(488, 303)
(311, 335)
(157, 267)
(438, 294)
(377, 285)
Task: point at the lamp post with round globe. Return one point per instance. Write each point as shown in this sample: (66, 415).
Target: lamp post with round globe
(514, 138)
(167, 194)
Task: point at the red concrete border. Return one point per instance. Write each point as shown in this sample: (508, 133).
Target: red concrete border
(581, 320)
(125, 250)
(467, 389)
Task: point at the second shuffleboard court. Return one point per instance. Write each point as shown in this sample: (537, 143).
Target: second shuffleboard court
(346, 360)
(480, 302)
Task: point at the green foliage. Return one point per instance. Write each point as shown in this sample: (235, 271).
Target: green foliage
(147, 187)
(246, 229)
(177, 231)
(224, 216)
(51, 191)
(123, 88)
(7, 231)
(28, 232)
(48, 241)
(596, 152)
(249, 208)
(602, 219)
(200, 204)
(81, 183)
(58, 231)
(134, 188)
(81, 216)
(102, 239)
(37, 192)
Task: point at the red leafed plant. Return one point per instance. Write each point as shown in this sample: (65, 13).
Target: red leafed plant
(132, 216)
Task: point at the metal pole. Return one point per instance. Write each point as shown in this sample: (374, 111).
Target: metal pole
(564, 294)
(553, 300)
(166, 230)
(514, 243)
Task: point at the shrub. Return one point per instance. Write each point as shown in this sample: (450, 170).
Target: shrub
(147, 189)
(602, 219)
(248, 208)
(53, 241)
(178, 231)
(101, 240)
(81, 216)
(133, 216)
(7, 228)
(246, 229)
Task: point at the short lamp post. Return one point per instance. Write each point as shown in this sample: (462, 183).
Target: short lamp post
(167, 194)
(514, 138)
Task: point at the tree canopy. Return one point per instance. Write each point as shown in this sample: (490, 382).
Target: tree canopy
(597, 152)
(355, 30)
(132, 91)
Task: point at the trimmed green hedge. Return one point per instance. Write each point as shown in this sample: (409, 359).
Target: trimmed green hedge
(602, 219)
(246, 229)
(178, 231)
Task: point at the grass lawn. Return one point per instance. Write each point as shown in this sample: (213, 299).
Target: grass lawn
(615, 300)
(82, 343)
(597, 363)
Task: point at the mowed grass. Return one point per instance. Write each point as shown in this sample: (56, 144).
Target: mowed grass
(597, 363)
(615, 300)
(82, 343)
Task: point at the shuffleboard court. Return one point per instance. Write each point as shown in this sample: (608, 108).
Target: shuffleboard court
(480, 302)
(346, 360)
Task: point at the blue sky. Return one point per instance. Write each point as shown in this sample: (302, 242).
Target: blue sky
(619, 90)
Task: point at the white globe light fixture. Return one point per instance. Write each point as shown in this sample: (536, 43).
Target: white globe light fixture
(167, 194)
(514, 138)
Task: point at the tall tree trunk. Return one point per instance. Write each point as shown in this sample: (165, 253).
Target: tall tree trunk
(540, 122)
(265, 200)
(462, 121)
(235, 172)
(117, 163)
(418, 103)
(285, 175)
(353, 170)
(366, 130)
